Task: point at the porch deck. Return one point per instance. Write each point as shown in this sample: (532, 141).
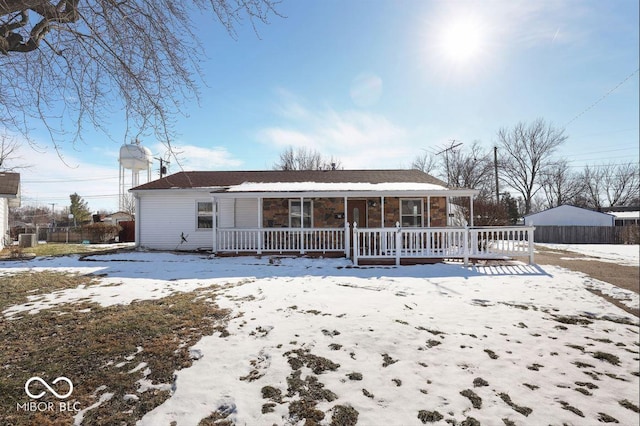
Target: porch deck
(383, 245)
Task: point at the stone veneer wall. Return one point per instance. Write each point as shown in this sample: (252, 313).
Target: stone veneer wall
(327, 212)
(438, 211)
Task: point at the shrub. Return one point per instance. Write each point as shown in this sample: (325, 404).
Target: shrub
(103, 232)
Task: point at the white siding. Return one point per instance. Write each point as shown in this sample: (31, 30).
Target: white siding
(226, 217)
(166, 216)
(569, 216)
(4, 220)
(246, 213)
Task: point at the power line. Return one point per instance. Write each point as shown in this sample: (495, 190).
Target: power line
(602, 97)
(70, 180)
(606, 150)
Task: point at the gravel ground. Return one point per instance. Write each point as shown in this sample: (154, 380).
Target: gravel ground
(627, 277)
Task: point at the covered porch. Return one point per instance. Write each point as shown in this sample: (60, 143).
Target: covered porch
(368, 227)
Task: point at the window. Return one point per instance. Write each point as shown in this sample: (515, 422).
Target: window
(294, 214)
(411, 212)
(205, 214)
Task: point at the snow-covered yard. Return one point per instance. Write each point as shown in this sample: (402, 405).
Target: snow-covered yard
(321, 340)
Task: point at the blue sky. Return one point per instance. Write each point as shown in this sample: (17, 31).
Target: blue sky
(374, 83)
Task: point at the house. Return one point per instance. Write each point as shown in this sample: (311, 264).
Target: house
(625, 216)
(117, 217)
(566, 215)
(9, 197)
(346, 212)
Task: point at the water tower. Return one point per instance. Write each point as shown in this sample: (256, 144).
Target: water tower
(136, 158)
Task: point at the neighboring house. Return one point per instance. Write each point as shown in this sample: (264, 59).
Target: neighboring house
(117, 217)
(569, 216)
(625, 216)
(9, 197)
(298, 212)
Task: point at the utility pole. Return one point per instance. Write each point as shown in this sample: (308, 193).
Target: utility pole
(495, 166)
(445, 151)
(163, 168)
(53, 213)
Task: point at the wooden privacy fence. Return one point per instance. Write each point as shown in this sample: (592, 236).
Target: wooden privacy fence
(629, 234)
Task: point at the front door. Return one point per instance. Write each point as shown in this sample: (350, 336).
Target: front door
(357, 212)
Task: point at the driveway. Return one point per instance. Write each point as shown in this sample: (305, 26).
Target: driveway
(623, 276)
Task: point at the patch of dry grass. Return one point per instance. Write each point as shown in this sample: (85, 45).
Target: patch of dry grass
(15, 289)
(58, 249)
(98, 349)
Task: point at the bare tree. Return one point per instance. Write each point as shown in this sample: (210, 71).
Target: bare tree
(305, 159)
(425, 162)
(80, 61)
(592, 179)
(9, 153)
(471, 169)
(526, 152)
(610, 185)
(129, 204)
(560, 185)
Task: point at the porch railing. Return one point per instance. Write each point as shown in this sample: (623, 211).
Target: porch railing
(446, 243)
(383, 243)
(282, 240)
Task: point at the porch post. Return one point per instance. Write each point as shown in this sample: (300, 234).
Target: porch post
(530, 242)
(465, 243)
(356, 243)
(214, 224)
(428, 211)
(446, 210)
(301, 225)
(347, 232)
(259, 225)
(398, 243)
(383, 242)
(471, 210)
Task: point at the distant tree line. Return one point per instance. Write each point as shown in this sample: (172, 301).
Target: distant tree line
(44, 216)
(527, 166)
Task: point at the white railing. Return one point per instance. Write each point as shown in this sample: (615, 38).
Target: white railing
(281, 240)
(444, 243)
(384, 243)
(501, 241)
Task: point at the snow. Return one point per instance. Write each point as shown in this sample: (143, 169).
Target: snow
(285, 304)
(626, 215)
(614, 253)
(333, 186)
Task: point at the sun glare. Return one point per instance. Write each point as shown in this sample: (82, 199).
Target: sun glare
(461, 40)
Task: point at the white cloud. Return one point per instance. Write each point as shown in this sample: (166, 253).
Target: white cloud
(358, 139)
(282, 137)
(51, 178)
(191, 157)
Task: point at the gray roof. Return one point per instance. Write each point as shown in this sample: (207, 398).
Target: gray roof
(209, 179)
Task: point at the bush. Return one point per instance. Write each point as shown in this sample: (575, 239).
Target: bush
(103, 232)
